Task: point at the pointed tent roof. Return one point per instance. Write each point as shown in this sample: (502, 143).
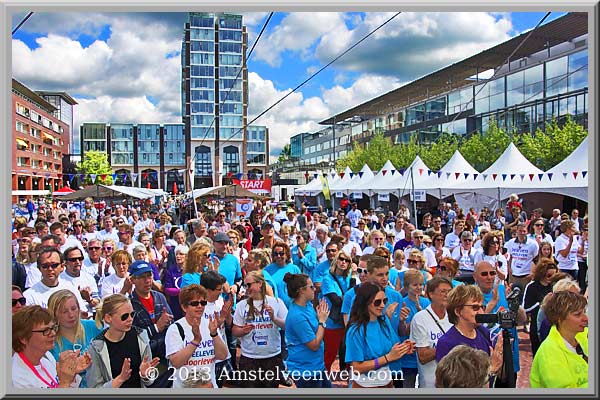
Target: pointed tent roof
(361, 182)
(453, 172)
(384, 176)
(403, 183)
(342, 181)
(313, 186)
(512, 161)
(576, 161)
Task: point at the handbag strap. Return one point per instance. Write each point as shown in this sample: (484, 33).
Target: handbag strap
(436, 321)
(338, 283)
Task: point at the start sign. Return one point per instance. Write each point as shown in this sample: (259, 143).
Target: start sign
(258, 186)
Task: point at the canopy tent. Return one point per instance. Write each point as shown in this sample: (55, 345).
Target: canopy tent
(417, 176)
(63, 191)
(360, 181)
(105, 191)
(341, 183)
(457, 171)
(223, 192)
(312, 188)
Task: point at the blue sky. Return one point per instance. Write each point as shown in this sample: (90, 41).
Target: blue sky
(125, 66)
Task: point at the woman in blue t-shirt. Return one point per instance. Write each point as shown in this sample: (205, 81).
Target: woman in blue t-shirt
(73, 332)
(371, 342)
(305, 329)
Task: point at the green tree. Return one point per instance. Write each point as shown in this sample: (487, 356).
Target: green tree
(375, 154)
(546, 149)
(286, 153)
(482, 149)
(95, 162)
(437, 154)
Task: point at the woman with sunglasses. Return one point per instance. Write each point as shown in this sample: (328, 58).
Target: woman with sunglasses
(91, 229)
(73, 332)
(464, 253)
(78, 232)
(121, 355)
(304, 333)
(28, 262)
(377, 239)
(256, 322)
(280, 266)
(562, 359)
(335, 285)
(536, 232)
(257, 260)
(372, 344)
(194, 261)
(33, 365)
(192, 342)
(438, 248)
(533, 295)
(105, 267)
(464, 303)
(490, 252)
(415, 261)
(119, 282)
(18, 301)
(447, 268)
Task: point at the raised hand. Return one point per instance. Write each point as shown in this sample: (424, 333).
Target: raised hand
(147, 364)
(214, 322)
(496, 358)
(227, 307)
(270, 311)
(389, 311)
(125, 373)
(322, 311)
(82, 362)
(246, 329)
(398, 351)
(196, 330)
(66, 367)
(164, 320)
(404, 312)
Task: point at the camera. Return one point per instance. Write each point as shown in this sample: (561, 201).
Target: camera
(507, 319)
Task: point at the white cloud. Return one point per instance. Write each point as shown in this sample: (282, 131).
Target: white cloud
(297, 32)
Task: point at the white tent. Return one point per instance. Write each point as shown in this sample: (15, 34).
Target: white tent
(312, 188)
(383, 178)
(361, 181)
(341, 183)
(457, 171)
(417, 176)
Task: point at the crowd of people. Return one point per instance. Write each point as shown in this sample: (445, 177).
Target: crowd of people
(129, 297)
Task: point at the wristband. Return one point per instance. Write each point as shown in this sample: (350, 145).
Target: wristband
(376, 363)
(215, 335)
(195, 344)
(386, 359)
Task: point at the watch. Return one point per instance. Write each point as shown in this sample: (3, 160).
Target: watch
(323, 324)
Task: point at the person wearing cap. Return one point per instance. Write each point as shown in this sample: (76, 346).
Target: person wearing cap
(465, 254)
(291, 219)
(152, 311)
(222, 225)
(267, 232)
(270, 218)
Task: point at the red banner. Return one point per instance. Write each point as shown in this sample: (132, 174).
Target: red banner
(258, 186)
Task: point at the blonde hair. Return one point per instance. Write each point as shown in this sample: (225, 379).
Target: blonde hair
(413, 276)
(333, 266)
(108, 306)
(194, 257)
(260, 256)
(252, 310)
(55, 304)
(416, 253)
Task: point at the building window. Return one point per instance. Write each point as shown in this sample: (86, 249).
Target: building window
(203, 162)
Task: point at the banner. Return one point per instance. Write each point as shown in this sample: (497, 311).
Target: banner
(420, 196)
(357, 195)
(255, 185)
(339, 195)
(383, 196)
(325, 187)
(243, 207)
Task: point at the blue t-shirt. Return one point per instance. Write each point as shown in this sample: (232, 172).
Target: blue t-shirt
(378, 341)
(453, 338)
(349, 299)
(229, 267)
(301, 326)
(277, 273)
(320, 271)
(271, 282)
(90, 331)
(496, 330)
(190, 278)
(409, 360)
(308, 262)
(393, 276)
(329, 285)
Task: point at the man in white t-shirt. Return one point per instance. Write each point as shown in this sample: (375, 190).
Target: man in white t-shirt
(320, 242)
(193, 342)
(522, 251)
(452, 239)
(50, 263)
(350, 247)
(84, 282)
(354, 215)
(427, 326)
(566, 248)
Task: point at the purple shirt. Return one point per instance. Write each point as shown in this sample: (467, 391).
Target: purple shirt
(403, 244)
(453, 338)
(172, 287)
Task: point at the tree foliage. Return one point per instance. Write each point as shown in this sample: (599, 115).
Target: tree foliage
(543, 149)
(286, 153)
(95, 162)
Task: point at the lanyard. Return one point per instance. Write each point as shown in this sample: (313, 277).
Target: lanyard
(51, 384)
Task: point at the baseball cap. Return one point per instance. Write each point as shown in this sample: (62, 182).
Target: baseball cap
(139, 267)
(266, 225)
(222, 237)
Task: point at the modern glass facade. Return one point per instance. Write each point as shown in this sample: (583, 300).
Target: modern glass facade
(174, 144)
(257, 146)
(121, 144)
(93, 137)
(148, 144)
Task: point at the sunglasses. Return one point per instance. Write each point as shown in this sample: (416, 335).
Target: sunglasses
(49, 330)
(197, 303)
(126, 316)
(475, 307)
(439, 240)
(94, 248)
(24, 241)
(49, 265)
(73, 259)
(20, 300)
(331, 250)
(488, 273)
(418, 237)
(412, 261)
(378, 302)
(344, 259)
(107, 248)
(361, 270)
(77, 225)
(495, 242)
(467, 240)
(278, 253)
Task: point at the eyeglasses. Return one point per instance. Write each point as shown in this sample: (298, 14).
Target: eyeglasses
(20, 300)
(94, 248)
(49, 330)
(73, 259)
(495, 242)
(24, 241)
(378, 302)
(427, 243)
(107, 248)
(361, 270)
(279, 253)
(467, 240)
(418, 237)
(331, 250)
(538, 224)
(77, 225)
(411, 261)
(122, 233)
(197, 303)
(344, 259)
(126, 316)
(475, 307)
(50, 265)
(248, 284)
(442, 268)
(486, 273)
(439, 239)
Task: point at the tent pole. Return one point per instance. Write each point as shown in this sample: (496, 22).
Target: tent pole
(412, 182)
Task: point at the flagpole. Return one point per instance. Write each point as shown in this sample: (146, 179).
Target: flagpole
(412, 180)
